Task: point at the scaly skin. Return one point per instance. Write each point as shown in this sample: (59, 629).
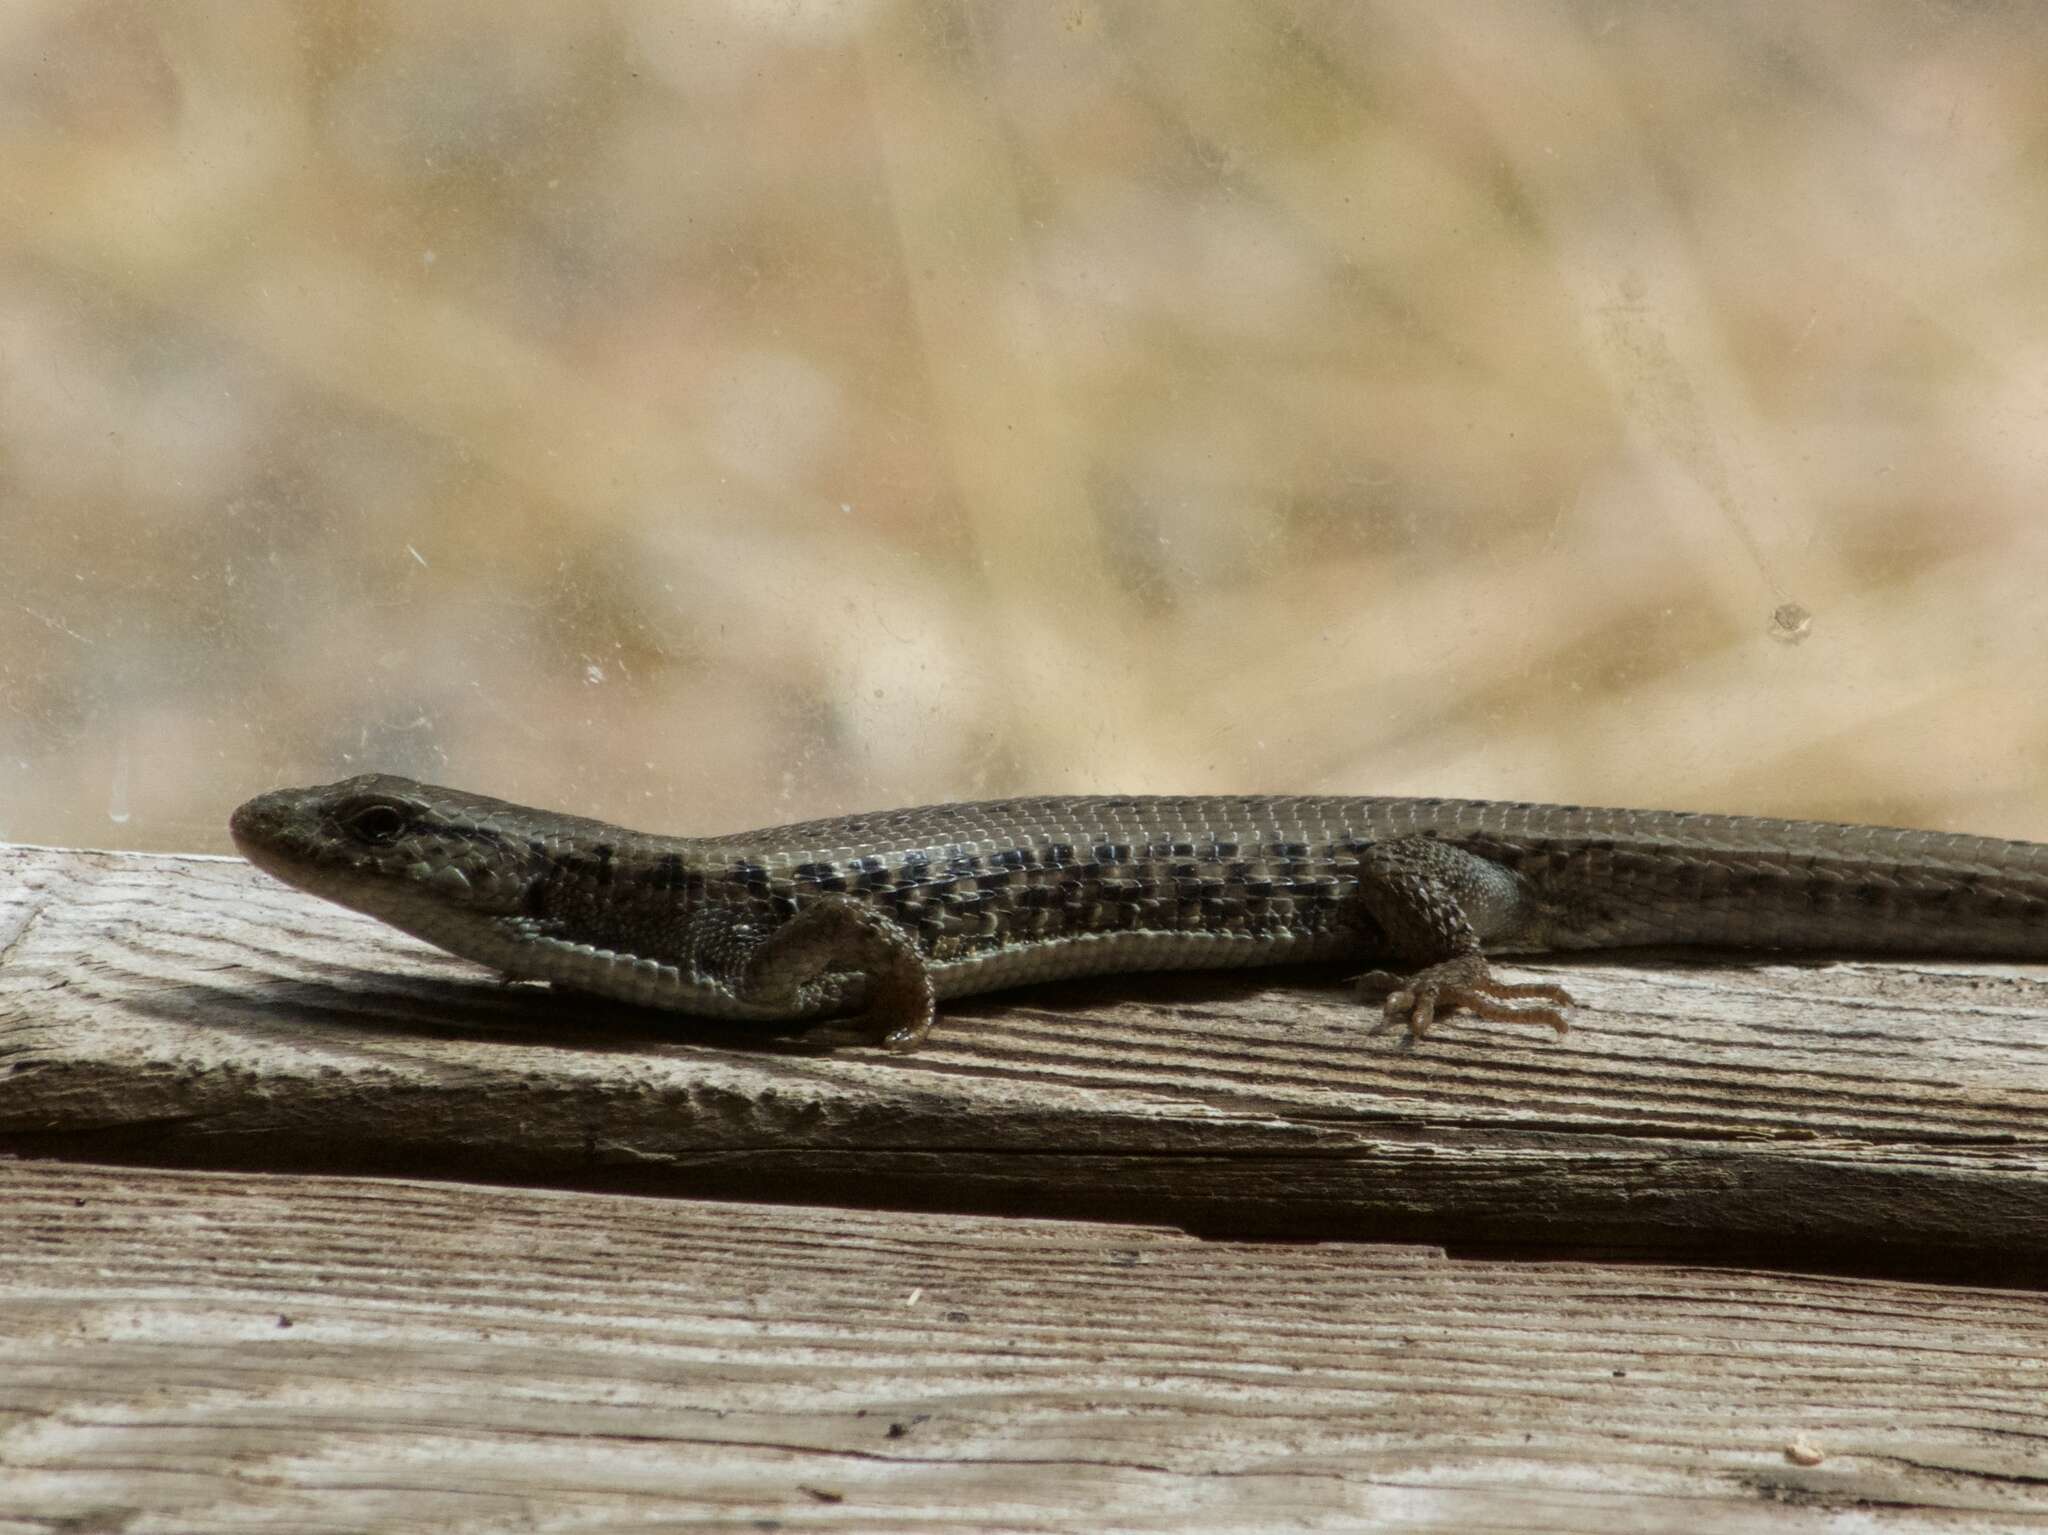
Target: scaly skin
(896, 910)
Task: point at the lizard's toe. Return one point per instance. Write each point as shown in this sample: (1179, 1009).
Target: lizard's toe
(1462, 984)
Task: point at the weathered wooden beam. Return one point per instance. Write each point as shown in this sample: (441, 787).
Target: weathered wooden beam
(221, 1351)
(187, 1011)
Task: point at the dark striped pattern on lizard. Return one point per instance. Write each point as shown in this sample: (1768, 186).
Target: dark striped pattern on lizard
(890, 912)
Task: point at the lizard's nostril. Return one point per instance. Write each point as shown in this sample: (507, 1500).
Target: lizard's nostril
(247, 824)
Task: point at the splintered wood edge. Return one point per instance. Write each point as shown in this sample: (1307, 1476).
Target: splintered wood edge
(220, 1350)
(188, 1011)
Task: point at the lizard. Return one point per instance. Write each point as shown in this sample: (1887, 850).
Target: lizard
(887, 914)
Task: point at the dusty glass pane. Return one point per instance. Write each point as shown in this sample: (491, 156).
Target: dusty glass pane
(713, 415)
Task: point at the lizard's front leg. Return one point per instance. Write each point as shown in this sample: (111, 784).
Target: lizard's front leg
(807, 963)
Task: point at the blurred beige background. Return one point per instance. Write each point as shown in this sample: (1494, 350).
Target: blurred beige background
(707, 416)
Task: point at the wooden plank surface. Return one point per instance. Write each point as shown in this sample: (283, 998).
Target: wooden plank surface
(195, 1351)
(1889, 1117)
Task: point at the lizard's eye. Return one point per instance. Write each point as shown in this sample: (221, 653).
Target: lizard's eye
(376, 823)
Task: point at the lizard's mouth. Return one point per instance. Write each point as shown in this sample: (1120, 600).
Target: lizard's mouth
(257, 825)
(263, 832)
(380, 845)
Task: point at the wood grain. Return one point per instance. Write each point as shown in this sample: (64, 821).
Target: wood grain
(210, 1351)
(1893, 1117)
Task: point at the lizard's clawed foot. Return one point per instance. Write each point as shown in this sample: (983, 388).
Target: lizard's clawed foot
(1464, 984)
(831, 945)
(901, 1032)
(901, 1002)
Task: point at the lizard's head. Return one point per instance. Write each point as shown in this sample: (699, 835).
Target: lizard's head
(416, 856)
